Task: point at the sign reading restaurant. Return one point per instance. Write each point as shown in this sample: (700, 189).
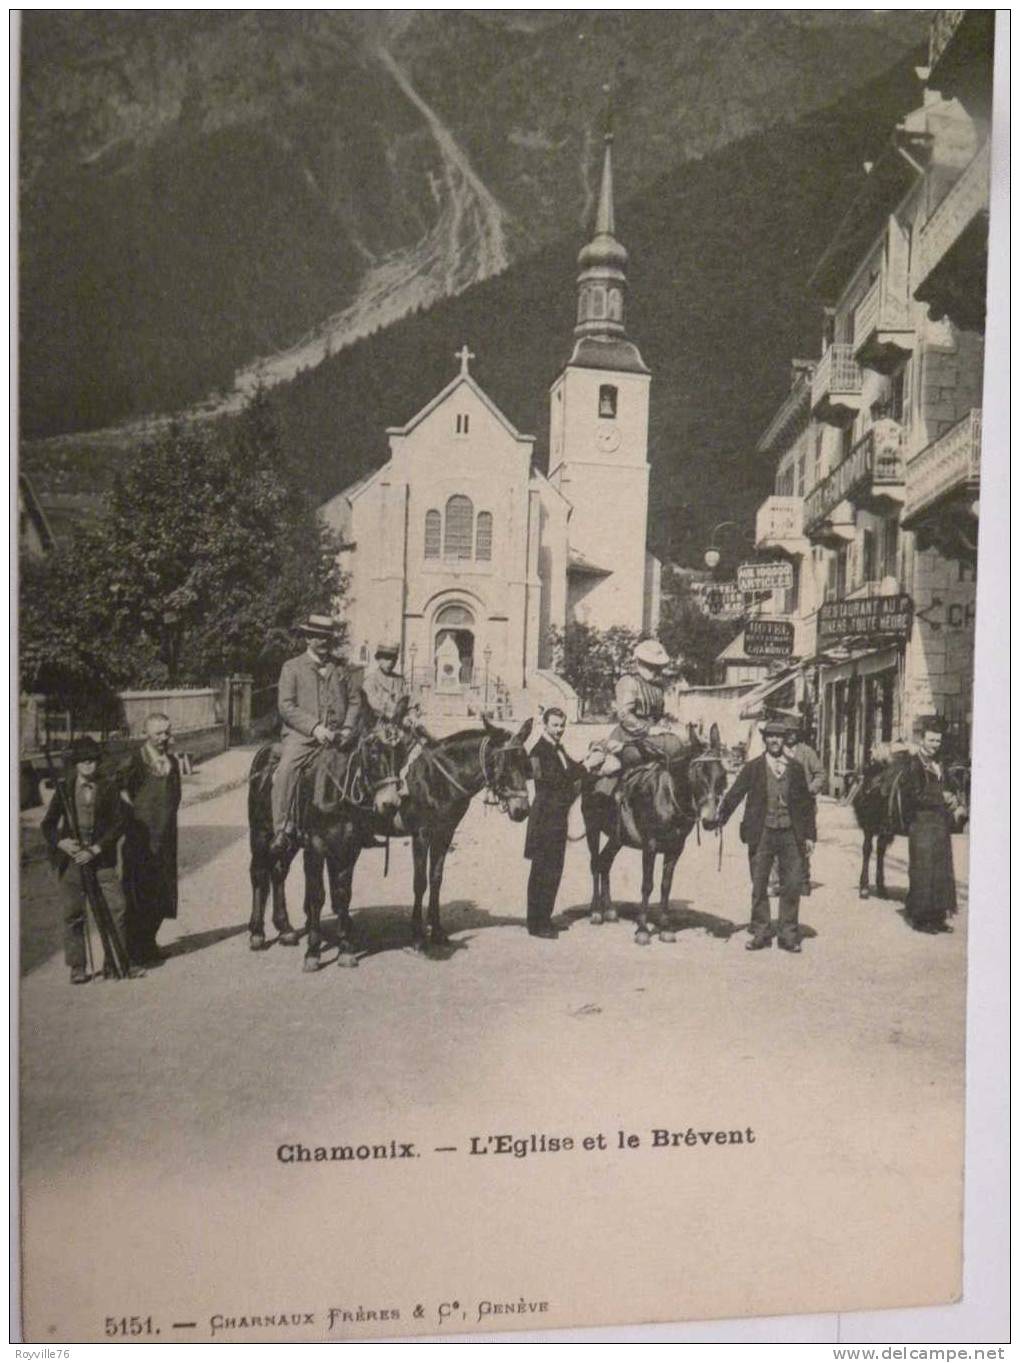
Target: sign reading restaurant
(885, 617)
(765, 577)
(765, 638)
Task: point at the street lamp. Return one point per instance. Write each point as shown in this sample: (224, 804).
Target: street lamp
(487, 655)
(412, 653)
(712, 553)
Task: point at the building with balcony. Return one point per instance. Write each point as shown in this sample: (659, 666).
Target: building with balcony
(877, 444)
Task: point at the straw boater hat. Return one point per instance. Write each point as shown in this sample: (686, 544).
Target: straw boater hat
(651, 653)
(318, 627)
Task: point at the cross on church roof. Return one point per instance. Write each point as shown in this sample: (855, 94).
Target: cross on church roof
(464, 355)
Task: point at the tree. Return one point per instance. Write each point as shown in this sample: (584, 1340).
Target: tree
(592, 661)
(206, 556)
(693, 639)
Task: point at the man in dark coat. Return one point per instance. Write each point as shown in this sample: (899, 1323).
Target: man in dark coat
(316, 709)
(153, 787)
(557, 780)
(778, 826)
(931, 893)
(82, 827)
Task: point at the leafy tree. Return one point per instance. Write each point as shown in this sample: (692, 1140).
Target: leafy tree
(693, 639)
(207, 554)
(592, 661)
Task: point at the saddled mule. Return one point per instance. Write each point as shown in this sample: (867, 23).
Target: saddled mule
(367, 776)
(436, 789)
(884, 810)
(659, 803)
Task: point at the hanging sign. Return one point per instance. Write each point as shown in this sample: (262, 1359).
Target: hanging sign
(765, 577)
(725, 600)
(768, 638)
(885, 617)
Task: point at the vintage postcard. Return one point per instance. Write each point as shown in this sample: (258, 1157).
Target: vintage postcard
(498, 502)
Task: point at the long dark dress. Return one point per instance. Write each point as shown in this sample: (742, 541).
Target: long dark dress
(150, 850)
(931, 897)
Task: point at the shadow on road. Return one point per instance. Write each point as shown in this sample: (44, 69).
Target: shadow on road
(685, 917)
(381, 928)
(198, 941)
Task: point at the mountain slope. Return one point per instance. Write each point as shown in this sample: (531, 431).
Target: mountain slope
(205, 190)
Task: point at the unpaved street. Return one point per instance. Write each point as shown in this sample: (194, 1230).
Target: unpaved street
(153, 1111)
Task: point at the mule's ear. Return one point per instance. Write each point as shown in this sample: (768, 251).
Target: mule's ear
(524, 732)
(693, 737)
(488, 725)
(402, 707)
(714, 738)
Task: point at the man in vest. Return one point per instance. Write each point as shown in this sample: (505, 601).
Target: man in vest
(778, 826)
(316, 710)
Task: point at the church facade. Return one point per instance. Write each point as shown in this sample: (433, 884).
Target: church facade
(463, 552)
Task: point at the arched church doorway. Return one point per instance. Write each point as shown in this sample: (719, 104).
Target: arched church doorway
(453, 647)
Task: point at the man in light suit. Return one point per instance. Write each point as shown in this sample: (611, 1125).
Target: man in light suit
(778, 826)
(316, 709)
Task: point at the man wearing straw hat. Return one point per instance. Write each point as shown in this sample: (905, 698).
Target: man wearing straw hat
(316, 710)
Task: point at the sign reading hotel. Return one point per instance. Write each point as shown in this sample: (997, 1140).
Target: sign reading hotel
(885, 617)
(765, 577)
(765, 638)
(725, 600)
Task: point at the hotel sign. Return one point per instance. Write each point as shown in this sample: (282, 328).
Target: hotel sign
(765, 638)
(882, 617)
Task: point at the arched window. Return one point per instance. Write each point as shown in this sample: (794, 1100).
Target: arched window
(607, 400)
(455, 617)
(483, 536)
(458, 536)
(433, 534)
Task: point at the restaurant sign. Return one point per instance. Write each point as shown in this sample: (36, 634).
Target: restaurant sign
(765, 577)
(765, 638)
(883, 617)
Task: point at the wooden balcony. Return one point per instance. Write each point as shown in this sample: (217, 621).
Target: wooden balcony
(780, 525)
(942, 487)
(836, 385)
(951, 260)
(883, 330)
(870, 477)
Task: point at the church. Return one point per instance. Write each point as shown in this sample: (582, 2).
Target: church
(462, 551)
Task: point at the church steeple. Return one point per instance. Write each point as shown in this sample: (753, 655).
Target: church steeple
(602, 282)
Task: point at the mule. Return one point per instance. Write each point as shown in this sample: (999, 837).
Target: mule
(654, 811)
(433, 796)
(883, 811)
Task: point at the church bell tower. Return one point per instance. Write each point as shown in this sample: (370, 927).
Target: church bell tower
(598, 439)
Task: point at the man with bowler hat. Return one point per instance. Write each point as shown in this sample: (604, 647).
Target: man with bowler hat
(778, 826)
(316, 709)
(82, 827)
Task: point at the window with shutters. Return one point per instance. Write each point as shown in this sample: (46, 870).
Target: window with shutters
(458, 531)
(483, 536)
(433, 534)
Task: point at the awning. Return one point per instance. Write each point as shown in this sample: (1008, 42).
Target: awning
(754, 702)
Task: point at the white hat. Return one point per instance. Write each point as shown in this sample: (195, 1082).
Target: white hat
(651, 653)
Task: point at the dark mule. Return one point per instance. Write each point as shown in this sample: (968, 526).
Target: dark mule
(659, 803)
(367, 776)
(884, 810)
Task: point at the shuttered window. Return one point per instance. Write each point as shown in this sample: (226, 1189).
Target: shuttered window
(483, 536)
(433, 534)
(458, 536)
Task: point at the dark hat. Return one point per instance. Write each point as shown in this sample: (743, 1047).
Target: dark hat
(387, 649)
(85, 749)
(774, 726)
(318, 627)
(929, 724)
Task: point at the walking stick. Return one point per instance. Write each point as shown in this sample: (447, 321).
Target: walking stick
(114, 949)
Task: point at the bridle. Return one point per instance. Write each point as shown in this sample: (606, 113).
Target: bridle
(495, 778)
(701, 759)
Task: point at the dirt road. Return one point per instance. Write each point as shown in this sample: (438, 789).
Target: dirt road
(154, 1112)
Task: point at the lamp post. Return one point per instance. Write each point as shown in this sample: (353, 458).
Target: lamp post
(713, 553)
(412, 653)
(487, 655)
